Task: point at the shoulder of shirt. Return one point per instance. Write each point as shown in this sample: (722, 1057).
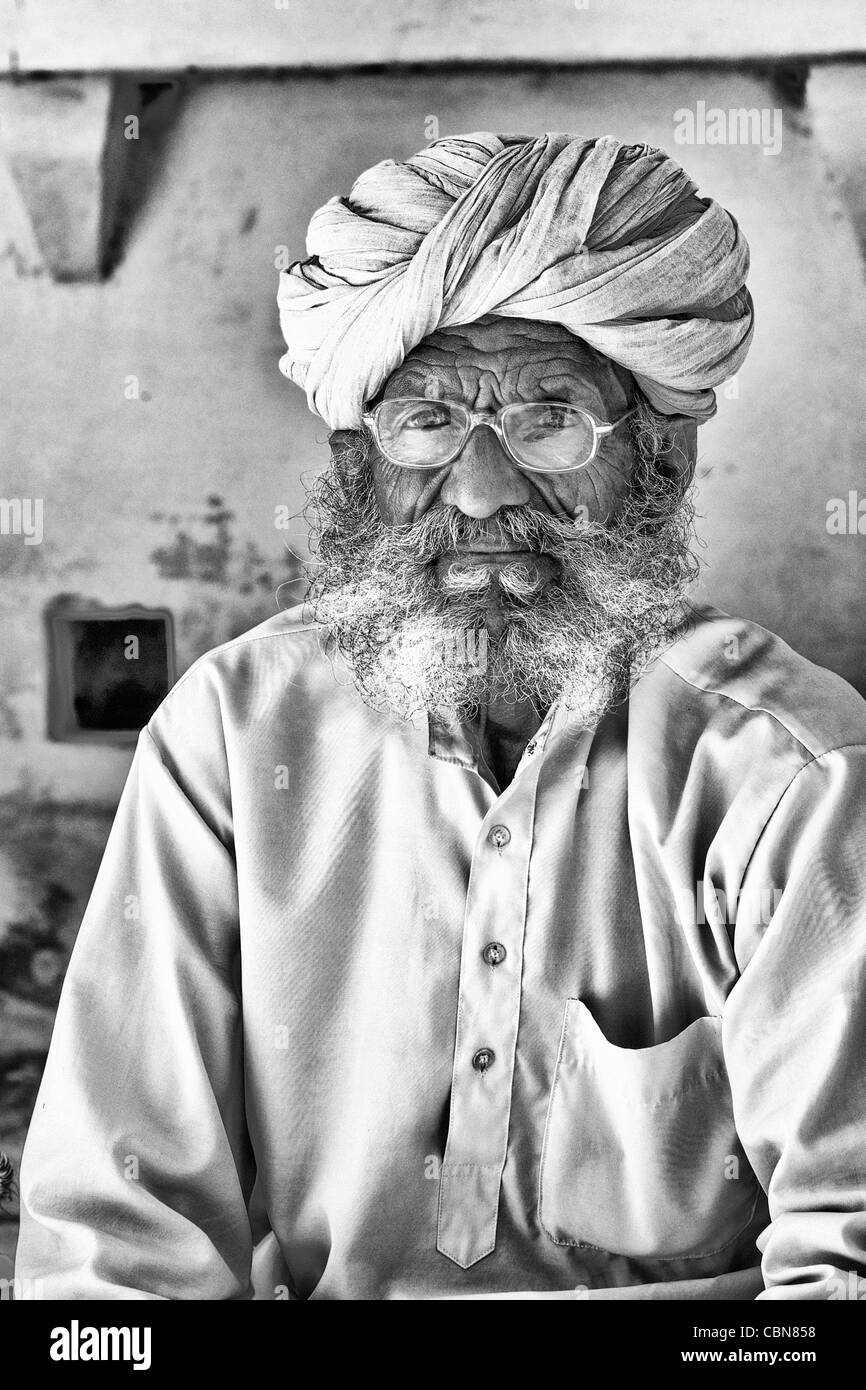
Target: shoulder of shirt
(290, 638)
(723, 656)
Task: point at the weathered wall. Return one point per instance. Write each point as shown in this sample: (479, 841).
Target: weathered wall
(190, 314)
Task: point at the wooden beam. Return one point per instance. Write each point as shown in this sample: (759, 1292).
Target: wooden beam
(172, 35)
(67, 141)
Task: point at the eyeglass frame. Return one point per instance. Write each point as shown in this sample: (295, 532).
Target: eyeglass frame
(493, 418)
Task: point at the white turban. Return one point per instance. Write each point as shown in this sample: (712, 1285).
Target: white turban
(609, 240)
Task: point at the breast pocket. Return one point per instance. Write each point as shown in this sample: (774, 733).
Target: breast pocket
(640, 1153)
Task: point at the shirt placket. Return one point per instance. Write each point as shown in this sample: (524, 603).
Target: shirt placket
(488, 1013)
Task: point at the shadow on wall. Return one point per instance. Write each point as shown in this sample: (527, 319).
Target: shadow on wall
(224, 586)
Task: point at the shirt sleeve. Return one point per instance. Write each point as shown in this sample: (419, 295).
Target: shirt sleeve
(137, 1170)
(794, 1030)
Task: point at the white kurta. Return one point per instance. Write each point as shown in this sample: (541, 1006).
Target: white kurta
(343, 1021)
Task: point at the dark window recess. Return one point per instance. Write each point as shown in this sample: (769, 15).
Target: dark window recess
(108, 669)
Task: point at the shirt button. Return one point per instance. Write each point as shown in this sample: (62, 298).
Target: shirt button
(499, 836)
(494, 953)
(483, 1059)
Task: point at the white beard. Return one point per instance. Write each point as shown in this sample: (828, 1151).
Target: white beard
(501, 633)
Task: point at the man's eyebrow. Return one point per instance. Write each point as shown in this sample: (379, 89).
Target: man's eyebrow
(556, 383)
(433, 386)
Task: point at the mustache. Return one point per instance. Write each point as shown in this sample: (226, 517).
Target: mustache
(447, 528)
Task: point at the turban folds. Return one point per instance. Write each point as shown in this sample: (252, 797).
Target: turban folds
(609, 240)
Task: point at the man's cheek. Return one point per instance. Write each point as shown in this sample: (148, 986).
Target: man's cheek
(396, 493)
(403, 495)
(598, 492)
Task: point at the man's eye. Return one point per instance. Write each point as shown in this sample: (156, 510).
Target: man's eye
(426, 420)
(548, 421)
(554, 417)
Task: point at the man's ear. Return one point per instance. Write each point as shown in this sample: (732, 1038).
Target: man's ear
(348, 447)
(681, 453)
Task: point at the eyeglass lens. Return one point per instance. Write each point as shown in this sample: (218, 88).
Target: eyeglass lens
(542, 434)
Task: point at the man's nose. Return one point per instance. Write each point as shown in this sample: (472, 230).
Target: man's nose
(483, 478)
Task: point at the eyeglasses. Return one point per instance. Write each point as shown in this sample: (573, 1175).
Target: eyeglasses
(539, 436)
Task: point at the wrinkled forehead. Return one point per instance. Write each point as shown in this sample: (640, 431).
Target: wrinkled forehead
(502, 360)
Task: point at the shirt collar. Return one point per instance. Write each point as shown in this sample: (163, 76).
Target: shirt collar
(458, 743)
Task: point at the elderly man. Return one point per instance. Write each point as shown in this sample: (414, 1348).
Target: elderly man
(495, 923)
